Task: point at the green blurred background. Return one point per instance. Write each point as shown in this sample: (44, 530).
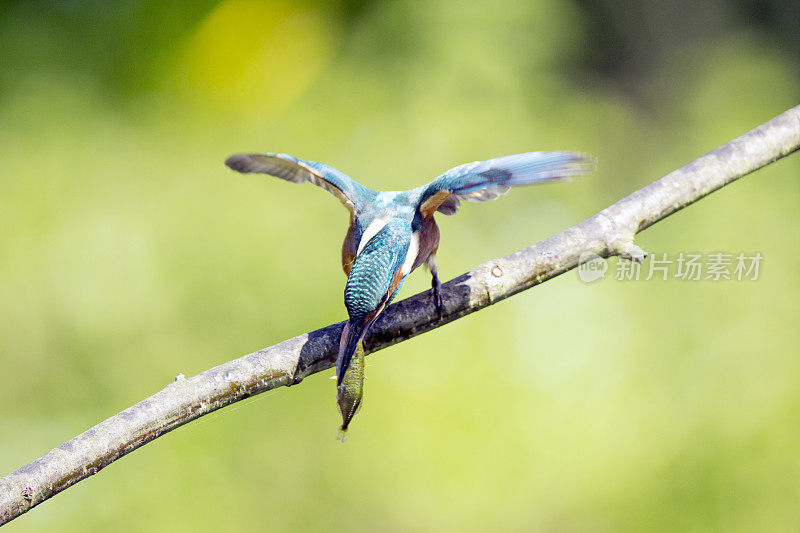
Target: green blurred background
(129, 253)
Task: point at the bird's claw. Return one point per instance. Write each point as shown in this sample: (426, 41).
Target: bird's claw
(438, 301)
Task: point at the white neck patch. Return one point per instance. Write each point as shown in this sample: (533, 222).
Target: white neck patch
(411, 256)
(372, 230)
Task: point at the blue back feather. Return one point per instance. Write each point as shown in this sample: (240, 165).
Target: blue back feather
(369, 282)
(375, 268)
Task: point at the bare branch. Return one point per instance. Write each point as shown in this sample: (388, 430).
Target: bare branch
(609, 232)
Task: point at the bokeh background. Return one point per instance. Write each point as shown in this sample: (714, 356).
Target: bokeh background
(129, 253)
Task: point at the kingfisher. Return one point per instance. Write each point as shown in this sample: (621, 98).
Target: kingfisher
(391, 233)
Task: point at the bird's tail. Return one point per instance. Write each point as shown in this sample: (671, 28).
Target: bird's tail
(350, 342)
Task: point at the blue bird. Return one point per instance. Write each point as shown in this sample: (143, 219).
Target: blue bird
(392, 233)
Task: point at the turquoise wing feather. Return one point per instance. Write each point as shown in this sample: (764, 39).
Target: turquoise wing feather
(284, 166)
(481, 181)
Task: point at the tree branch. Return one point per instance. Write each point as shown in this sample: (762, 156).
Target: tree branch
(609, 232)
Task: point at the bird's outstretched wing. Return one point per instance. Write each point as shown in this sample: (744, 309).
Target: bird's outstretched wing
(290, 168)
(481, 181)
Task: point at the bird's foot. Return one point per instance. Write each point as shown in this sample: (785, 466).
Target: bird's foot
(438, 301)
(436, 295)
